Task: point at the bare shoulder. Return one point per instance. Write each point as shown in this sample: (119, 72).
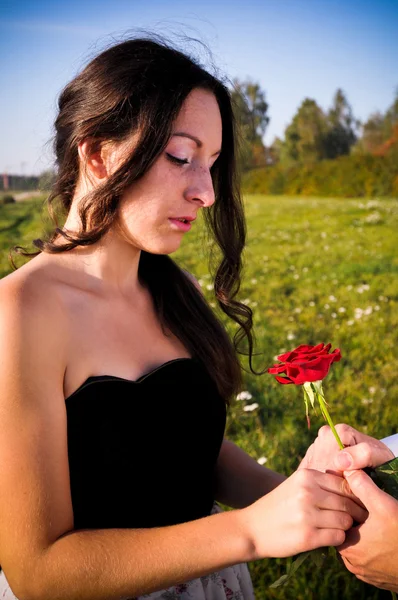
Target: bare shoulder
(32, 334)
(36, 504)
(33, 283)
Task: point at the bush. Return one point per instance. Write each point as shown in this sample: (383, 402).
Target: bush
(347, 176)
(7, 199)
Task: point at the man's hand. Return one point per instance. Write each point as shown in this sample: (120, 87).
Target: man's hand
(361, 451)
(370, 549)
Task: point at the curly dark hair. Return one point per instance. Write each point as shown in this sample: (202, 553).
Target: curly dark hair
(138, 86)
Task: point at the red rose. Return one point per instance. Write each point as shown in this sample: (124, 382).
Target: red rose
(305, 363)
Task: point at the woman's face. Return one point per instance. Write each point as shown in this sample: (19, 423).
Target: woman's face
(179, 183)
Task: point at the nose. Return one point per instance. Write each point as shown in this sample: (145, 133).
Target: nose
(200, 188)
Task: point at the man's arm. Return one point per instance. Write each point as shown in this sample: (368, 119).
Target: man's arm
(240, 480)
(392, 442)
(370, 549)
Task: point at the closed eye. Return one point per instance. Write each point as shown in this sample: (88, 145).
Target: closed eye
(177, 161)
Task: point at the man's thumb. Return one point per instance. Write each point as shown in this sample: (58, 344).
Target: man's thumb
(363, 487)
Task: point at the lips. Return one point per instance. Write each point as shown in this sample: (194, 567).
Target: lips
(185, 219)
(181, 223)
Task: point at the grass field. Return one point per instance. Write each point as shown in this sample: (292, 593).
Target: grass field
(316, 270)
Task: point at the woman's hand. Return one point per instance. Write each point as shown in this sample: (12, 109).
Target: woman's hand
(308, 510)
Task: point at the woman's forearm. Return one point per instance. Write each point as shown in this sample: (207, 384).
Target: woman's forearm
(124, 563)
(240, 480)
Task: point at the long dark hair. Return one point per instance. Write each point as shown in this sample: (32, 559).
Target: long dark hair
(138, 86)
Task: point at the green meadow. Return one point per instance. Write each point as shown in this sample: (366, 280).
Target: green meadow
(316, 270)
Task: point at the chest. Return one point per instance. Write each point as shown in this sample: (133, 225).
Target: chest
(116, 338)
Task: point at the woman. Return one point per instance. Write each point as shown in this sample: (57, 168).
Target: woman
(115, 374)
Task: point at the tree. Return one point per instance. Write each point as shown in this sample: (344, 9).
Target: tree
(274, 151)
(304, 137)
(340, 136)
(250, 109)
(380, 131)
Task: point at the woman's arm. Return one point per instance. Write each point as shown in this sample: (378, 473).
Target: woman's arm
(45, 559)
(41, 554)
(240, 480)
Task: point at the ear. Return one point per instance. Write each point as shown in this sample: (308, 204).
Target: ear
(94, 158)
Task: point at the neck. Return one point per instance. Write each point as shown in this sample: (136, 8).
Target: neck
(111, 263)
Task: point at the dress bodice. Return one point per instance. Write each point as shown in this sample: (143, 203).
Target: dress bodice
(143, 453)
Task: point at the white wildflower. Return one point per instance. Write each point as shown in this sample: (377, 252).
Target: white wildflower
(374, 218)
(290, 336)
(250, 407)
(254, 281)
(333, 315)
(326, 306)
(372, 390)
(332, 298)
(366, 400)
(262, 460)
(350, 322)
(311, 303)
(209, 286)
(342, 309)
(244, 396)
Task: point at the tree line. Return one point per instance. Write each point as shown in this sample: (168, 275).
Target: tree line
(321, 152)
(313, 134)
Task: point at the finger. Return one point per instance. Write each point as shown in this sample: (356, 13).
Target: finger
(352, 538)
(333, 519)
(344, 504)
(367, 491)
(346, 433)
(362, 455)
(329, 537)
(335, 484)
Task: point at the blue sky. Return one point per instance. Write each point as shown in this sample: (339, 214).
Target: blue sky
(293, 48)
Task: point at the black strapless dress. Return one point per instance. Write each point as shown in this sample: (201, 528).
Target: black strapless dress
(143, 454)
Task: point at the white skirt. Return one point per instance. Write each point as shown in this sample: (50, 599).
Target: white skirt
(231, 583)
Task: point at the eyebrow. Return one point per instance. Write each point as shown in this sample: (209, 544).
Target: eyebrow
(194, 138)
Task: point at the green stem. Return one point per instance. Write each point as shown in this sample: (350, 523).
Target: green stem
(329, 420)
(394, 596)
